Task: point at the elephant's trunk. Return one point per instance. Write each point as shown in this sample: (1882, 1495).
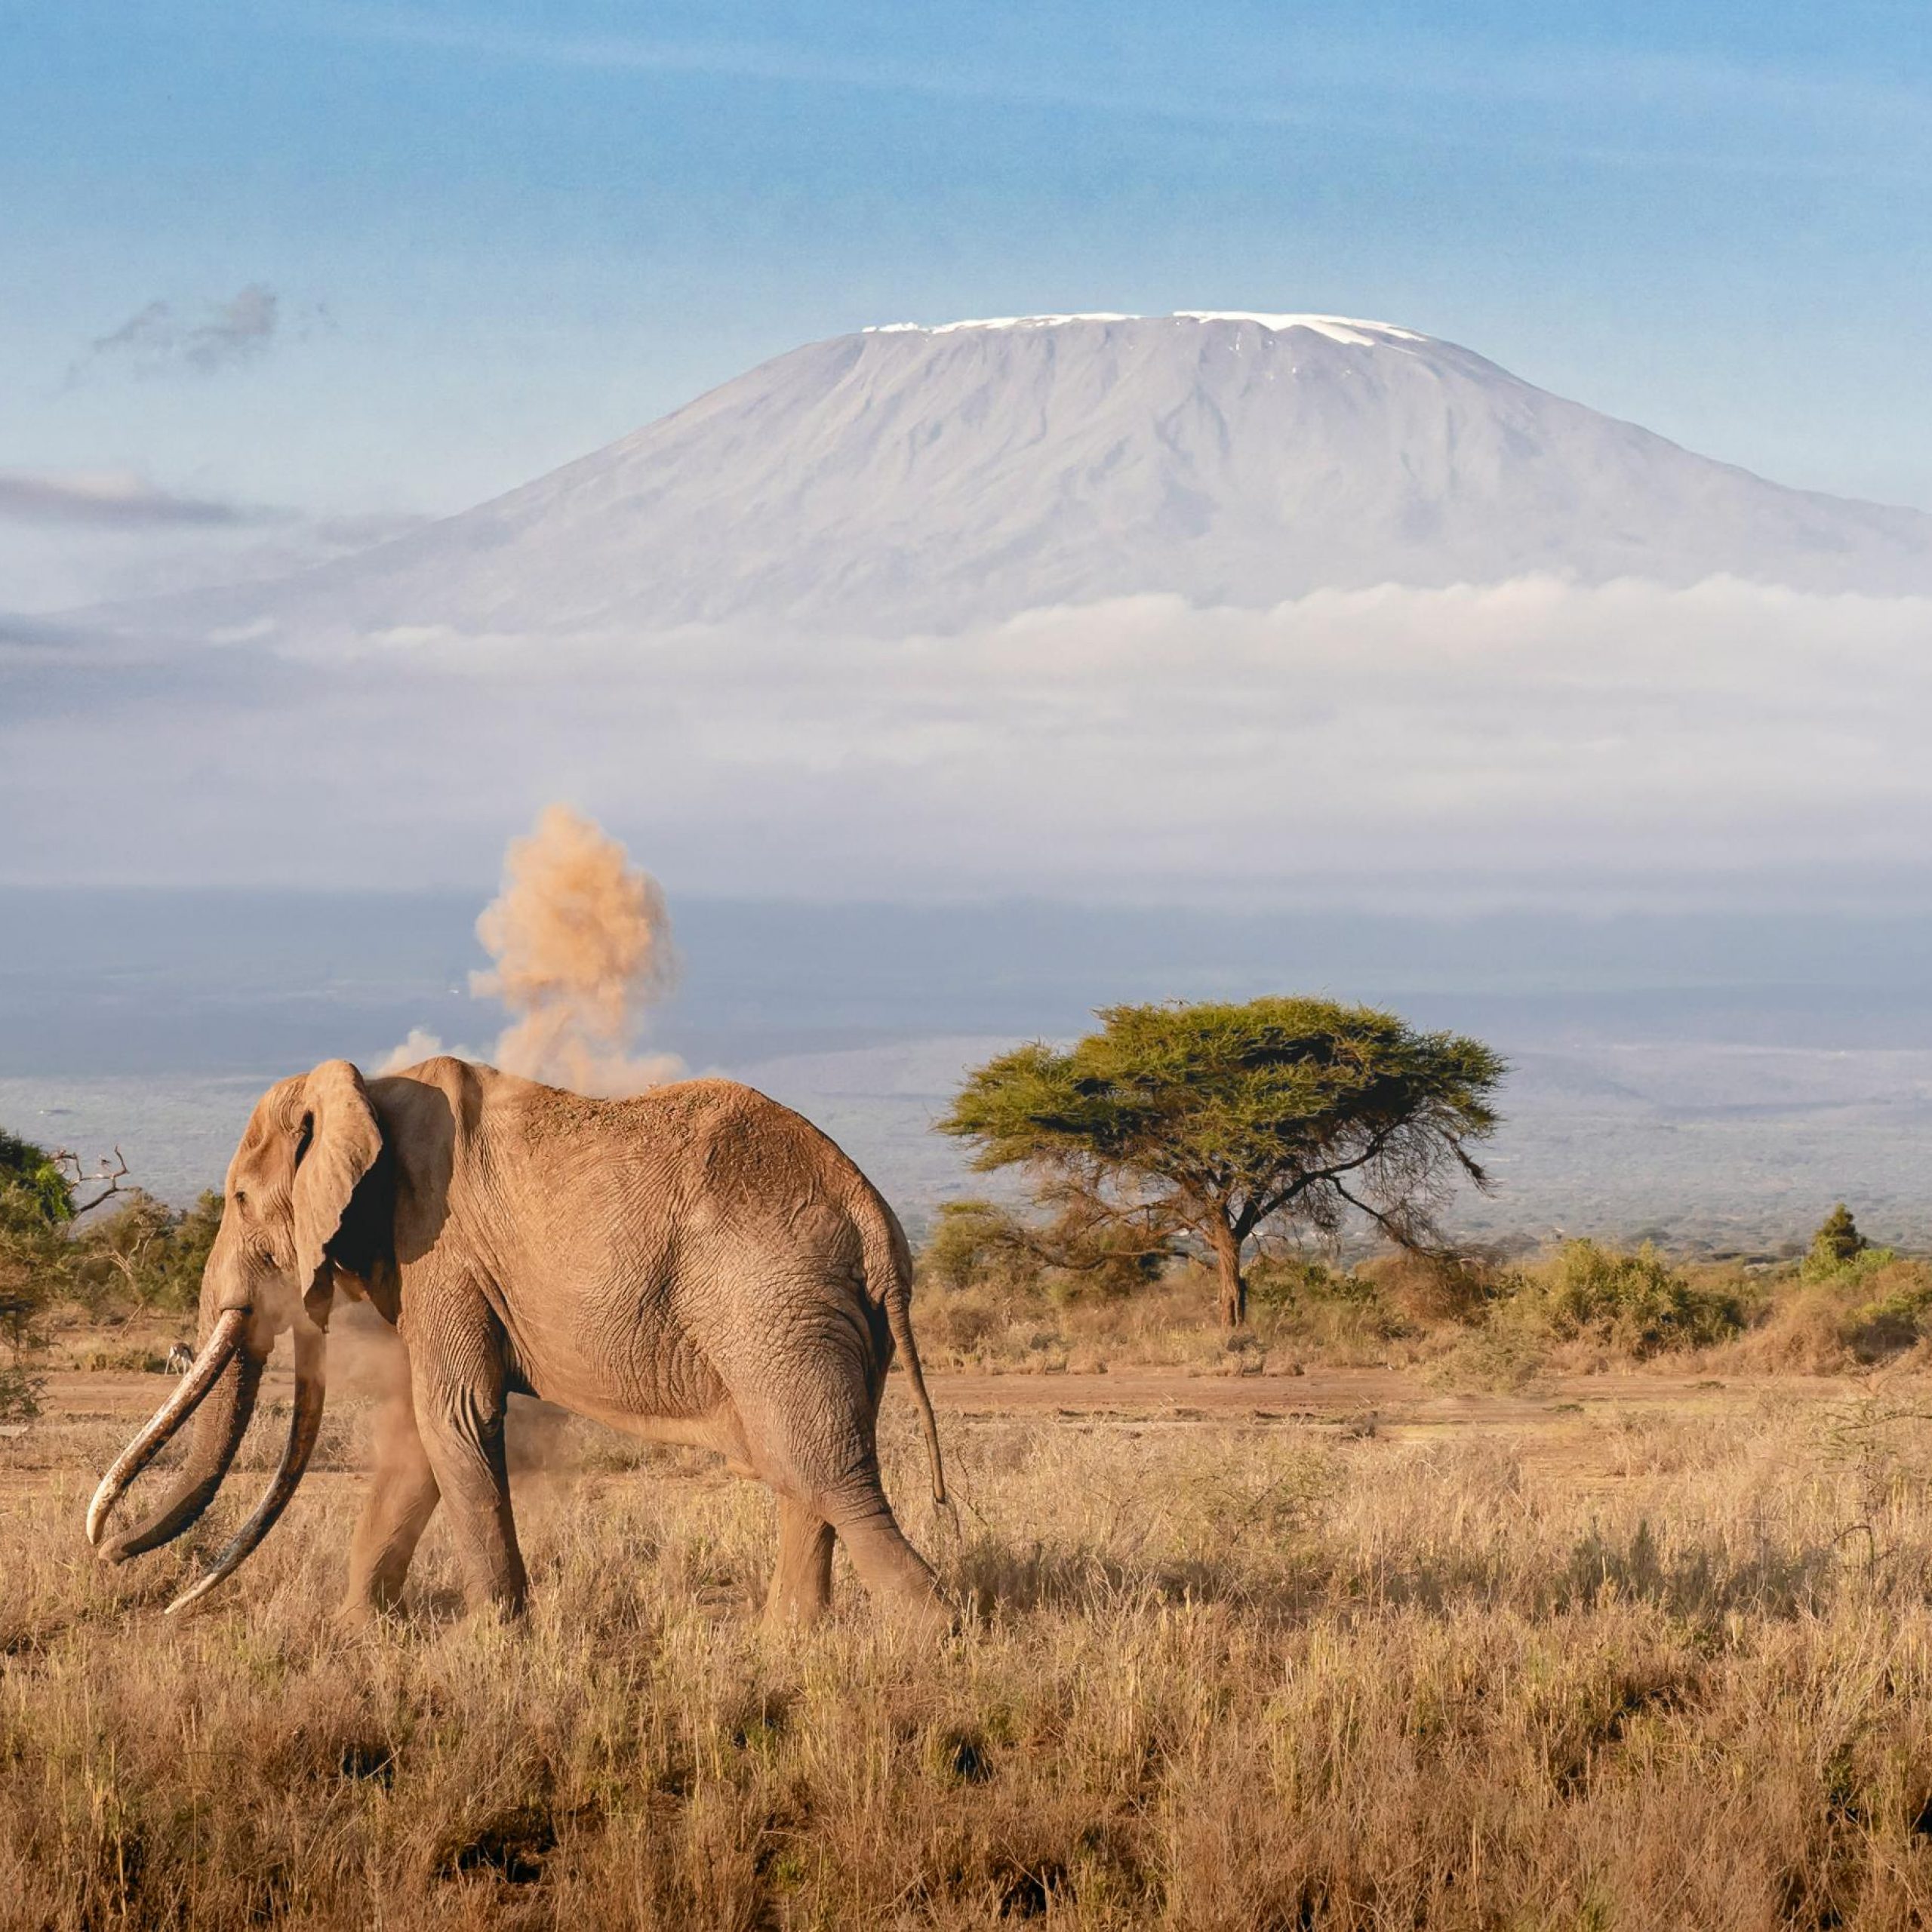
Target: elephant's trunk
(304, 1424)
(215, 1439)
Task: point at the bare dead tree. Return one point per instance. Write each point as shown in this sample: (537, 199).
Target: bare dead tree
(107, 1176)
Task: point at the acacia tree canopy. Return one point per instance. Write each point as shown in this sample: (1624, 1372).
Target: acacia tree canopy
(1231, 1121)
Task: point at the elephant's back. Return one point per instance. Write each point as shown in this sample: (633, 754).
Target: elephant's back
(751, 1163)
(737, 1140)
(701, 1145)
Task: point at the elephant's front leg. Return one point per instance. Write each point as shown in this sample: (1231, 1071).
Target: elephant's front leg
(458, 1386)
(801, 1581)
(402, 1497)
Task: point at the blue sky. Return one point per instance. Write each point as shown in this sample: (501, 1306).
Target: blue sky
(497, 235)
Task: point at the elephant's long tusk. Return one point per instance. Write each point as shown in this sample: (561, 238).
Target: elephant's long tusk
(304, 1424)
(223, 1343)
(207, 1467)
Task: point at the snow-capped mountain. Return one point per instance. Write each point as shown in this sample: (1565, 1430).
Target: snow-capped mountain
(913, 477)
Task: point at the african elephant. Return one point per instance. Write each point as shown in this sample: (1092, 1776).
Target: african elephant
(698, 1265)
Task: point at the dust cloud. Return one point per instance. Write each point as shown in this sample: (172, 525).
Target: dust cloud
(368, 1363)
(418, 1044)
(368, 1375)
(581, 940)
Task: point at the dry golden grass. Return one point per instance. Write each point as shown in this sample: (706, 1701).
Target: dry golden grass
(1642, 1666)
(1169, 1323)
(1473, 1325)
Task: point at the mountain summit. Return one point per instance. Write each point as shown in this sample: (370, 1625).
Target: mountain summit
(910, 477)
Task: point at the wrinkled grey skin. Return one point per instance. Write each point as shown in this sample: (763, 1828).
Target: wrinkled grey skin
(698, 1265)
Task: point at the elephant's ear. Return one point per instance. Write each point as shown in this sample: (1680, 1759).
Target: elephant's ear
(341, 1140)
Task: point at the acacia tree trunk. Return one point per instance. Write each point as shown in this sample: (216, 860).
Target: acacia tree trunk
(1226, 1245)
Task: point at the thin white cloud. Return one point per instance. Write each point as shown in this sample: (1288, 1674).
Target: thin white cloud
(110, 499)
(1311, 82)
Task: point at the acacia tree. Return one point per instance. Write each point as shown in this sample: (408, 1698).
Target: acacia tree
(1232, 1121)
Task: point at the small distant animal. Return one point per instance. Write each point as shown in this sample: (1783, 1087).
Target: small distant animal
(180, 1359)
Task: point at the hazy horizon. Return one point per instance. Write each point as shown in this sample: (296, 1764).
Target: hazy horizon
(1719, 1081)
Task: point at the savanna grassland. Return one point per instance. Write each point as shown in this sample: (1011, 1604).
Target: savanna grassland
(1346, 1648)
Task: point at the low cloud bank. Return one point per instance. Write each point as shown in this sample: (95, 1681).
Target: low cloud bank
(1726, 744)
(75, 538)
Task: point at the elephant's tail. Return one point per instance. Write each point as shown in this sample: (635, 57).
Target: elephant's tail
(889, 1277)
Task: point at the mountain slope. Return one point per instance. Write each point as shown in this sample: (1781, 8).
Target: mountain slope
(909, 477)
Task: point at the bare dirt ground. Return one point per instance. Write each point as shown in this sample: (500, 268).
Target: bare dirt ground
(1577, 1424)
(1317, 1395)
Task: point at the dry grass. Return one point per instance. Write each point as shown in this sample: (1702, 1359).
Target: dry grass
(1651, 1667)
(1170, 1324)
(1577, 1308)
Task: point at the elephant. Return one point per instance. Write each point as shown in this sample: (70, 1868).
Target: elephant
(697, 1265)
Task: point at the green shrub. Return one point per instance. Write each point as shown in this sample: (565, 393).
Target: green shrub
(1892, 1311)
(186, 1252)
(136, 1253)
(20, 1390)
(1335, 1315)
(33, 1249)
(1828, 1268)
(973, 1244)
(1507, 1353)
(1279, 1282)
(32, 1175)
(1836, 1247)
(1078, 1255)
(1878, 1305)
(1635, 1301)
(1837, 1242)
(144, 1255)
(1431, 1290)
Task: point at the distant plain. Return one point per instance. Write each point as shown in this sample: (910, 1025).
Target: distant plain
(1717, 1080)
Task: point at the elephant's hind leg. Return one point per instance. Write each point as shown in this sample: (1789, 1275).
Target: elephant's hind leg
(815, 1439)
(894, 1573)
(802, 1582)
(402, 1498)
